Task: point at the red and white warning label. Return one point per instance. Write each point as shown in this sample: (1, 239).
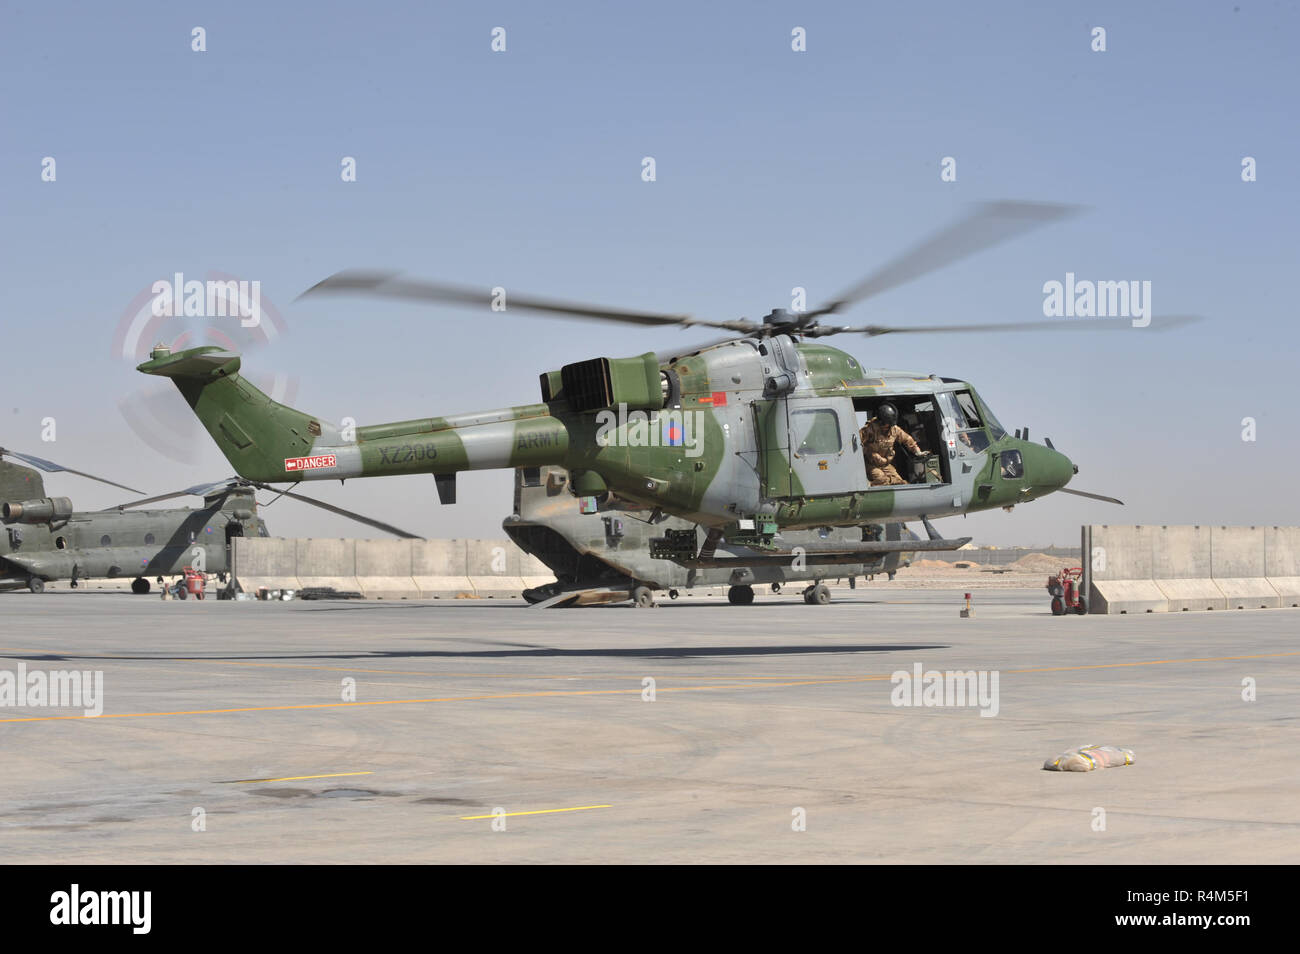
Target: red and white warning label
(310, 463)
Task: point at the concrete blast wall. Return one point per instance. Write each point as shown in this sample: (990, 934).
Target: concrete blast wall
(1149, 569)
(389, 569)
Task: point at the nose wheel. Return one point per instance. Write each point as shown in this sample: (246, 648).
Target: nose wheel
(819, 594)
(643, 597)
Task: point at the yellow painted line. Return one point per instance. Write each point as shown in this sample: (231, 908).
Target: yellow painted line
(402, 702)
(390, 672)
(542, 811)
(1154, 662)
(608, 692)
(298, 778)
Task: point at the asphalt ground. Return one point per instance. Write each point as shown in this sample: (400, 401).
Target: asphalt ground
(487, 732)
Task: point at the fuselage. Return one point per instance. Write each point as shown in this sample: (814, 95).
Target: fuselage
(761, 429)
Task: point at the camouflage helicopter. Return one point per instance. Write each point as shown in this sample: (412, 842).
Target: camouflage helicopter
(45, 539)
(606, 557)
(746, 437)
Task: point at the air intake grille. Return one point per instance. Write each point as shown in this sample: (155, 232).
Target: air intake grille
(587, 385)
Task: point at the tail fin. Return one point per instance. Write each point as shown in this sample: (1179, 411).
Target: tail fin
(261, 438)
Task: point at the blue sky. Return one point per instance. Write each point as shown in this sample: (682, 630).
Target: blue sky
(775, 169)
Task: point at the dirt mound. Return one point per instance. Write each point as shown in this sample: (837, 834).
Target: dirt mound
(1040, 563)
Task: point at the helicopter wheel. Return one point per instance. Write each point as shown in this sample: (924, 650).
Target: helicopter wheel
(643, 597)
(818, 595)
(673, 594)
(36, 584)
(740, 595)
(139, 586)
(776, 587)
(1058, 606)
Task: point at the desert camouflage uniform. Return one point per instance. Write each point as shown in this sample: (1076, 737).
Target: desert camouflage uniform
(878, 449)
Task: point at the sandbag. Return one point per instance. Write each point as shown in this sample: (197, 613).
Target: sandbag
(1089, 757)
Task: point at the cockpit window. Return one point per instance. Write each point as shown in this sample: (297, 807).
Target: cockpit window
(967, 405)
(996, 429)
(1013, 468)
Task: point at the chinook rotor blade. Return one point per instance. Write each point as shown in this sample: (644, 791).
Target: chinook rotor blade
(225, 487)
(389, 285)
(198, 490)
(351, 514)
(988, 224)
(49, 466)
(1162, 323)
(1084, 493)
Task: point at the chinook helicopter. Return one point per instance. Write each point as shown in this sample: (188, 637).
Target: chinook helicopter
(606, 557)
(746, 437)
(45, 539)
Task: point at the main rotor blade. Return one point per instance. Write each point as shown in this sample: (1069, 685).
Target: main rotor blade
(198, 490)
(388, 285)
(986, 225)
(351, 514)
(1084, 493)
(1161, 323)
(50, 467)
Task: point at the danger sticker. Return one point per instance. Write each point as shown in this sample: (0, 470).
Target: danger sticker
(310, 463)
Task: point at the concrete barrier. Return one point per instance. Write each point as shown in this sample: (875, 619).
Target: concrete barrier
(264, 561)
(384, 570)
(438, 568)
(1282, 563)
(1237, 566)
(1183, 569)
(493, 568)
(1119, 559)
(331, 563)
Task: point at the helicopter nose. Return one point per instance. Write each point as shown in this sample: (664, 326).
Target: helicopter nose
(1047, 469)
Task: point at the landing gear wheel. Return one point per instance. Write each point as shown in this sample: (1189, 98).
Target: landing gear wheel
(1058, 606)
(819, 595)
(673, 594)
(643, 597)
(740, 595)
(776, 587)
(73, 583)
(139, 586)
(36, 584)
(1082, 608)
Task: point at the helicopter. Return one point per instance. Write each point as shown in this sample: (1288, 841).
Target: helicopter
(45, 539)
(747, 437)
(606, 557)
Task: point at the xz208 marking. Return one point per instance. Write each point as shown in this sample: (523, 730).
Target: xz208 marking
(407, 452)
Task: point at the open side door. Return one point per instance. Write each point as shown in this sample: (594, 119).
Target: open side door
(809, 447)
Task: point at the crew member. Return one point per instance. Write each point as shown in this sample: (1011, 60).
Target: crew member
(878, 438)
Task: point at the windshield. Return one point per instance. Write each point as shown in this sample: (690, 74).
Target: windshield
(995, 429)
